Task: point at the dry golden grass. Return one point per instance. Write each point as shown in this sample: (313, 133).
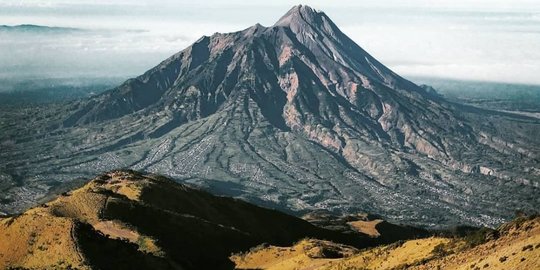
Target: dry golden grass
(306, 254)
(123, 183)
(83, 205)
(148, 245)
(34, 240)
(43, 237)
(301, 256)
(117, 230)
(132, 191)
(518, 248)
(394, 255)
(367, 227)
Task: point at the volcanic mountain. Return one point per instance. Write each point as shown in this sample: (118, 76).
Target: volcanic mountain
(294, 116)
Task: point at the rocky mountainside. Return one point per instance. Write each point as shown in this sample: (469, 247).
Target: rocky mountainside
(294, 116)
(130, 220)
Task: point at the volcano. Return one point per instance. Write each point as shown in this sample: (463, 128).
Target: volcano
(294, 116)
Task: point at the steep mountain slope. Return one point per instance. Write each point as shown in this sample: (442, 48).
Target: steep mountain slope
(515, 245)
(127, 220)
(295, 116)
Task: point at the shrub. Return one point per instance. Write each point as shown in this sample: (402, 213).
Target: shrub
(527, 247)
(439, 250)
(479, 237)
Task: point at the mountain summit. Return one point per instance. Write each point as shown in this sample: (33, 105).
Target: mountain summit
(295, 116)
(303, 38)
(302, 19)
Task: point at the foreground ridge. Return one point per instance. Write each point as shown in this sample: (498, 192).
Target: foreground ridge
(514, 245)
(131, 220)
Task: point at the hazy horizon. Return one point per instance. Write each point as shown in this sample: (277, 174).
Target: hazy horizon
(492, 41)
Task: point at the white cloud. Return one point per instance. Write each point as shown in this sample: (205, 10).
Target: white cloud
(490, 40)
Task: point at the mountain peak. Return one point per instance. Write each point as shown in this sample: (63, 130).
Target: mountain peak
(297, 15)
(306, 21)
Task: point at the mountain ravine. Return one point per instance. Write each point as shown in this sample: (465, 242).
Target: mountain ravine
(294, 116)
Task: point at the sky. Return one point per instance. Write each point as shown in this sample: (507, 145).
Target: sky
(495, 40)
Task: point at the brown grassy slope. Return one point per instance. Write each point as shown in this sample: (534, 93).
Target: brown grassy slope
(307, 253)
(127, 220)
(367, 227)
(300, 256)
(38, 240)
(515, 245)
(69, 232)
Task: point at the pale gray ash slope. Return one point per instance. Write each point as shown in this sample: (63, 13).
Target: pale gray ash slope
(295, 116)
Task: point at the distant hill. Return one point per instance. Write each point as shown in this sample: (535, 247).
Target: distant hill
(31, 91)
(32, 28)
(488, 95)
